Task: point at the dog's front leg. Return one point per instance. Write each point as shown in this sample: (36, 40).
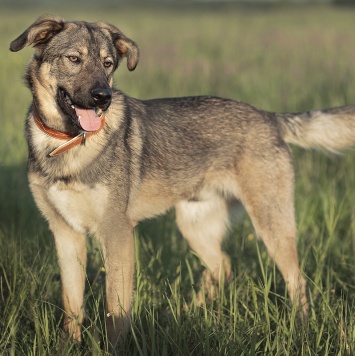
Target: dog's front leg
(118, 247)
(71, 252)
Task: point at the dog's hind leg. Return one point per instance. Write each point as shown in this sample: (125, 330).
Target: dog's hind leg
(267, 192)
(203, 224)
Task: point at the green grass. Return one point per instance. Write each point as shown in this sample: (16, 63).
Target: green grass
(281, 59)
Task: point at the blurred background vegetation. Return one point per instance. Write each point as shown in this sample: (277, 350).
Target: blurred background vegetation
(172, 2)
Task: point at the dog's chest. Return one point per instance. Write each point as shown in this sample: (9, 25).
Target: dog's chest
(80, 205)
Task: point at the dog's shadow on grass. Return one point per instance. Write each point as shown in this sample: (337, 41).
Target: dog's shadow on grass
(18, 212)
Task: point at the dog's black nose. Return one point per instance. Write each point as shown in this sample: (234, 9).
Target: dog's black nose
(101, 96)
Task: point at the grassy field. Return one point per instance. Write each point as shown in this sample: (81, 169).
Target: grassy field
(280, 59)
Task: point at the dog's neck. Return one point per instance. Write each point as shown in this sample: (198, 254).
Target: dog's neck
(70, 140)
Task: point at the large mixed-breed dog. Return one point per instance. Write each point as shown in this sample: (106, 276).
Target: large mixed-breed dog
(100, 161)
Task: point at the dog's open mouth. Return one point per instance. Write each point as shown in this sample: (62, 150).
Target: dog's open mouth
(87, 119)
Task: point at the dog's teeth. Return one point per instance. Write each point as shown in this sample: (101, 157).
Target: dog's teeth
(98, 111)
(73, 107)
(67, 99)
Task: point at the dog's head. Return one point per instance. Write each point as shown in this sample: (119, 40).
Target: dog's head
(71, 73)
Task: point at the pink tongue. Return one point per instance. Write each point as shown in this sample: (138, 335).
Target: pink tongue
(88, 119)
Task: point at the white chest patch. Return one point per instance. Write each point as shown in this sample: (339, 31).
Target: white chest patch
(80, 205)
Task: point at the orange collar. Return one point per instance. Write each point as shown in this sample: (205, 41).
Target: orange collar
(71, 141)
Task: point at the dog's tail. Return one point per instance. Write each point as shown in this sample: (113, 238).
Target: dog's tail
(331, 130)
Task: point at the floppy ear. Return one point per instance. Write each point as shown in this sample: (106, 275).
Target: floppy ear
(39, 32)
(125, 46)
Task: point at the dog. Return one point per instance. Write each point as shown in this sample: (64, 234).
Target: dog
(100, 161)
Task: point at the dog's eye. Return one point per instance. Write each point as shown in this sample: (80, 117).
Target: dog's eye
(108, 63)
(74, 59)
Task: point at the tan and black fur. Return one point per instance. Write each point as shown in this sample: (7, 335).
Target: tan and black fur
(195, 154)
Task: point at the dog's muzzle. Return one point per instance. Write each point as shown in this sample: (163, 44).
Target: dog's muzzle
(86, 117)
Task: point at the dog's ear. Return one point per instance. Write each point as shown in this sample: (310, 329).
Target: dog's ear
(38, 33)
(125, 46)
